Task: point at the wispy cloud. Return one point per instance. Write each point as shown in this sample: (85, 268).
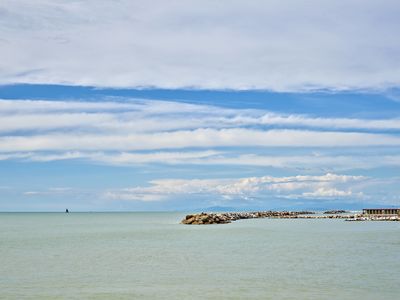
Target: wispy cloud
(152, 116)
(312, 161)
(291, 45)
(200, 138)
(130, 131)
(329, 193)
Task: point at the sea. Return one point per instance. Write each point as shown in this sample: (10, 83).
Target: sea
(147, 255)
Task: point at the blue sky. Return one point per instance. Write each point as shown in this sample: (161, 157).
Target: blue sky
(258, 105)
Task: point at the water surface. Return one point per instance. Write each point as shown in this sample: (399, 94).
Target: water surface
(152, 256)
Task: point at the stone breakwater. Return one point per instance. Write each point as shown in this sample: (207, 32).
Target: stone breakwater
(333, 212)
(363, 217)
(225, 218)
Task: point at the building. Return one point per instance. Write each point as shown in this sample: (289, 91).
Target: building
(381, 211)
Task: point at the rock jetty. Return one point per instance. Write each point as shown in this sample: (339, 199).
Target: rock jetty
(228, 217)
(333, 212)
(364, 217)
(224, 218)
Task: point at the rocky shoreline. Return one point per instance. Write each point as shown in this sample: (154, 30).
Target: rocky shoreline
(228, 217)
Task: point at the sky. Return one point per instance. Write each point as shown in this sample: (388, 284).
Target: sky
(196, 105)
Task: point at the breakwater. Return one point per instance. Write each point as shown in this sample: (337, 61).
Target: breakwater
(228, 217)
(364, 217)
(333, 212)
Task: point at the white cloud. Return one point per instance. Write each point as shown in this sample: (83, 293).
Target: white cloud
(139, 116)
(43, 157)
(55, 192)
(279, 45)
(202, 138)
(132, 195)
(336, 123)
(328, 193)
(325, 162)
(16, 156)
(155, 157)
(109, 104)
(31, 193)
(116, 133)
(51, 121)
(301, 186)
(40, 106)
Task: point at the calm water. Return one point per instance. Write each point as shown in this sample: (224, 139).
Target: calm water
(151, 256)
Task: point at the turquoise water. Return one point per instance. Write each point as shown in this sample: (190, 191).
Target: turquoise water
(152, 256)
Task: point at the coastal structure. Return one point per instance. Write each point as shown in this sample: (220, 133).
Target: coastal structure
(228, 217)
(381, 214)
(382, 211)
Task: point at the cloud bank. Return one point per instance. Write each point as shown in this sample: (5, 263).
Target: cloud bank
(277, 45)
(328, 186)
